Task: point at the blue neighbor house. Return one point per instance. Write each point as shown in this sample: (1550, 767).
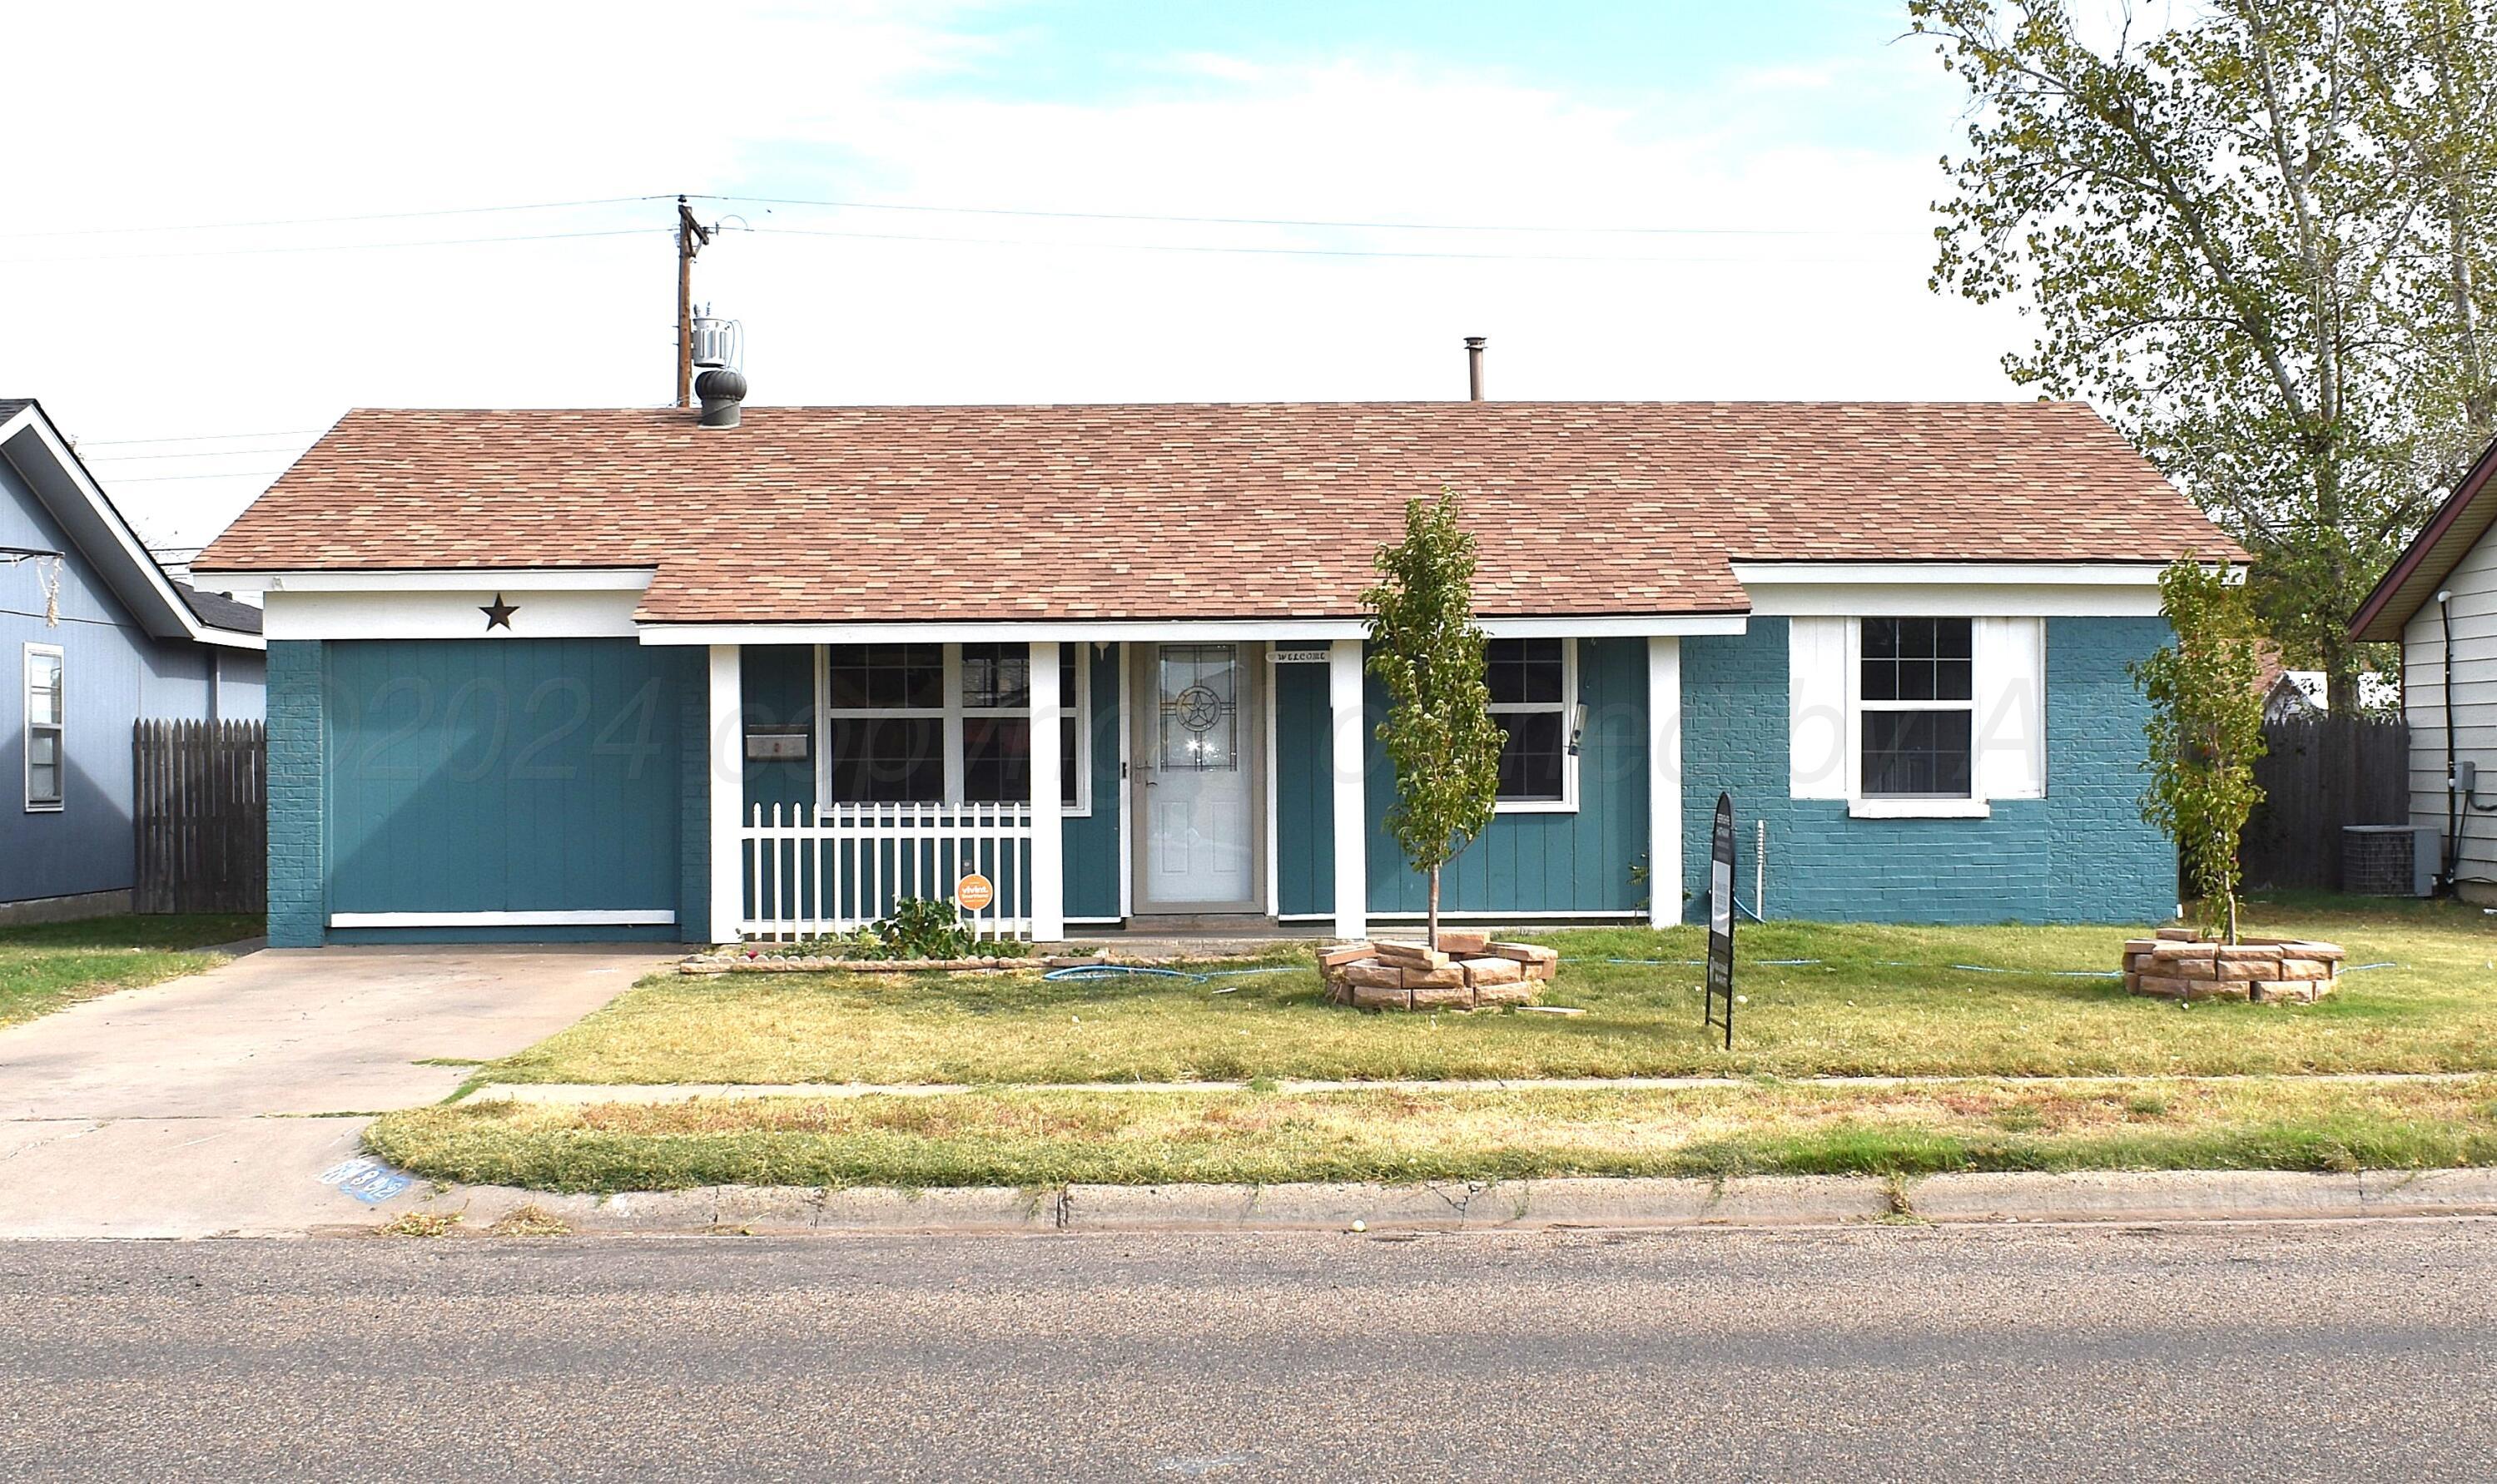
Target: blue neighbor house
(655, 674)
(97, 637)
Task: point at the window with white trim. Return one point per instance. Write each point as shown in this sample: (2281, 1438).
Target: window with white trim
(45, 710)
(1916, 691)
(1532, 684)
(927, 723)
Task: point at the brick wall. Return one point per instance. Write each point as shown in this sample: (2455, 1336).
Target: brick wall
(2081, 854)
(298, 871)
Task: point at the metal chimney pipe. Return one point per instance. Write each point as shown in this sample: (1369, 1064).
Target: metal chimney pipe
(1473, 367)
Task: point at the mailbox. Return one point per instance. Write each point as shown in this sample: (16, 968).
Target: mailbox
(777, 744)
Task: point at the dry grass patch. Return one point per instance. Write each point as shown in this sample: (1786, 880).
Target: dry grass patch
(421, 1223)
(530, 1220)
(1037, 1139)
(1896, 1001)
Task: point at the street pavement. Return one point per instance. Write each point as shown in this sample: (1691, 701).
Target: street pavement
(209, 1105)
(2203, 1350)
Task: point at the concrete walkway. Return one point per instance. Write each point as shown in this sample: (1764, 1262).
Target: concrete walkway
(212, 1104)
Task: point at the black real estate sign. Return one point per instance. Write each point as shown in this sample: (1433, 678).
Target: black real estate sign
(1720, 923)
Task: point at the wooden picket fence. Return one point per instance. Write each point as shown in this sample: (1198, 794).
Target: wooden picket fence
(200, 815)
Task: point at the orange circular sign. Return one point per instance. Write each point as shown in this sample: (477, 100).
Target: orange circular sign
(973, 893)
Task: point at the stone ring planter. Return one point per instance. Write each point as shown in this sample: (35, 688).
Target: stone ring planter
(1469, 971)
(2176, 965)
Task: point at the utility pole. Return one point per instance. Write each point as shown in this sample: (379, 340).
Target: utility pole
(692, 236)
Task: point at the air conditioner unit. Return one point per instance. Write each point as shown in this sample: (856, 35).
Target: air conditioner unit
(2391, 860)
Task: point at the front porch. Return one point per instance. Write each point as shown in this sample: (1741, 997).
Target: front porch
(1211, 781)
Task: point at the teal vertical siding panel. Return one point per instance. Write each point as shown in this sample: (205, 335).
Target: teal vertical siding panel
(2079, 855)
(515, 776)
(778, 689)
(1304, 785)
(1091, 843)
(1586, 861)
(299, 913)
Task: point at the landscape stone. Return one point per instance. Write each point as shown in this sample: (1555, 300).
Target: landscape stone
(1482, 971)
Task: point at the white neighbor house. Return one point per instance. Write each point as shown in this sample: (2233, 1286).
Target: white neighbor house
(2439, 602)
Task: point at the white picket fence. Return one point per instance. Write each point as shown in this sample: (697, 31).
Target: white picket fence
(811, 871)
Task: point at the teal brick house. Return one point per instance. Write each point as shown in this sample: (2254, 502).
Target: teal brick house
(621, 674)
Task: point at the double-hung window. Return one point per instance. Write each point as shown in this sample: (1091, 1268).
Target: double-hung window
(886, 734)
(1532, 691)
(945, 724)
(45, 713)
(1917, 696)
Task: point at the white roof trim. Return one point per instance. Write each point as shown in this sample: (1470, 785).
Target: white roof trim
(1931, 574)
(441, 580)
(175, 618)
(1183, 630)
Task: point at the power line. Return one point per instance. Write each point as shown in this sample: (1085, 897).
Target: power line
(216, 452)
(315, 221)
(159, 479)
(281, 433)
(240, 252)
(1289, 221)
(1286, 252)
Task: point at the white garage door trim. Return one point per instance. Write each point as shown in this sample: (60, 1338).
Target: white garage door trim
(587, 919)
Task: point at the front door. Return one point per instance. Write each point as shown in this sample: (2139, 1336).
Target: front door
(1196, 793)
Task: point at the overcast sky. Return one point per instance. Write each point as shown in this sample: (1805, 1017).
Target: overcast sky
(1779, 157)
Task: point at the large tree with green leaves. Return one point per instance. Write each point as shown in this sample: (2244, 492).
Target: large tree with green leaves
(2258, 238)
(2205, 731)
(1429, 652)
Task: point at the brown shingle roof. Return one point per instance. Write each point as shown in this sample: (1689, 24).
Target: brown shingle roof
(1163, 511)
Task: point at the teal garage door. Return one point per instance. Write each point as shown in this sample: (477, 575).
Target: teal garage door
(506, 788)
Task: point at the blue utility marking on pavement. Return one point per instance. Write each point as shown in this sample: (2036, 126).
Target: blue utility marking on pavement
(368, 1179)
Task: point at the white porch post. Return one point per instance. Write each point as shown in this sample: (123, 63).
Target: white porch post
(1663, 780)
(1048, 829)
(727, 733)
(1351, 826)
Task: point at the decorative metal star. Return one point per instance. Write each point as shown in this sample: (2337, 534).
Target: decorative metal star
(498, 613)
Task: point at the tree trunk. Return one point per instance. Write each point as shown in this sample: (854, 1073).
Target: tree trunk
(1433, 929)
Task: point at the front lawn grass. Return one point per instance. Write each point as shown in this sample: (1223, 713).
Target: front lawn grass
(48, 966)
(1032, 1138)
(1871, 1000)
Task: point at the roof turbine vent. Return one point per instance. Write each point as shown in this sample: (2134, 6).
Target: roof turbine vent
(723, 396)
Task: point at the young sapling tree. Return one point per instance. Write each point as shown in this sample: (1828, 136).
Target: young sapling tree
(1429, 652)
(2205, 731)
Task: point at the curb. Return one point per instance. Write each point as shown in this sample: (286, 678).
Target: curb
(1757, 1202)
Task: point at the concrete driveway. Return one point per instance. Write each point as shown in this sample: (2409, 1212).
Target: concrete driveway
(213, 1105)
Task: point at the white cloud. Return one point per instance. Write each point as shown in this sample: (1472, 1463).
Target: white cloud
(181, 116)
